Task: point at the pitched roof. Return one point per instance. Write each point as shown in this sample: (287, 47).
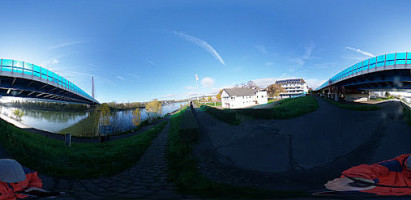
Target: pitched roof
(241, 91)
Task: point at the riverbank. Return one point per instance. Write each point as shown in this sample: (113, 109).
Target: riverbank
(81, 160)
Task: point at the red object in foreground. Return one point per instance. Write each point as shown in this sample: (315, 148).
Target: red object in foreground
(9, 191)
(392, 172)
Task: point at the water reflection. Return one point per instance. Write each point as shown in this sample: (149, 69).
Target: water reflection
(83, 124)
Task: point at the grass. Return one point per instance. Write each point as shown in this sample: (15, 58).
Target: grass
(82, 160)
(214, 104)
(294, 107)
(355, 107)
(183, 170)
(287, 109)
(226, 115)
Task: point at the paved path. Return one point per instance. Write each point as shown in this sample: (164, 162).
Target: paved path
(300, 153)
(146, 180)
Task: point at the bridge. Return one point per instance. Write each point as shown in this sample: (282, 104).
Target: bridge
(381, 73)
(22, 79)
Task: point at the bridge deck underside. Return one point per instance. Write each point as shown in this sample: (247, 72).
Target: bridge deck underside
(398, 79)
(26, 88)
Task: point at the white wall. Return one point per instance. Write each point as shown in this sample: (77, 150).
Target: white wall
(243, 101)
(262, 97)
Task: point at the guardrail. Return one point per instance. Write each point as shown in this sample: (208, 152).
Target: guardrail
(378, 63)
(37, 72)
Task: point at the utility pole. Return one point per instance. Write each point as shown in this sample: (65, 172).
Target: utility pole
(197, 87)
(92, 86)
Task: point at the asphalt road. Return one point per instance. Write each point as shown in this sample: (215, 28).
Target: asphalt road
(300, 153)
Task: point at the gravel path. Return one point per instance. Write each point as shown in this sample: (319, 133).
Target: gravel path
(146, 180)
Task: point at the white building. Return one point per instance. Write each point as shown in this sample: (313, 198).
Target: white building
(243, 97)
(293, 87)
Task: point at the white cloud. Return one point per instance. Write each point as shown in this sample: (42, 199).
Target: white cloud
(315, 83)
(120, 77)
(168, 96)
(307, 54)
(191, 94)
(201, 43)
(261, 48)
(269, 63)
(360, 51)
(264, 82)
(47, 63)
(65, 44)
(207, 82)
(151, 63)
(190, 88)
(326, 65)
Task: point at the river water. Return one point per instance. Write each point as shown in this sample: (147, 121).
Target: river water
(81, 124)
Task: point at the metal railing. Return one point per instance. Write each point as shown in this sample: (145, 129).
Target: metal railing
(35, 71)
(378, 63)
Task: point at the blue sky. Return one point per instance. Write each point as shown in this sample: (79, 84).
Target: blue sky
(141, 50)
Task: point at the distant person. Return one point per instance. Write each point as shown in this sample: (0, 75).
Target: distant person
(16, 181)
(390, 177)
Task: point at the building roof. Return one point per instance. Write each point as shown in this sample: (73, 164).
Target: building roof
(290, 81)
(241, 91)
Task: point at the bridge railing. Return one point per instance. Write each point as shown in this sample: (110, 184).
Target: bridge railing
(386, 61)
(20, 67)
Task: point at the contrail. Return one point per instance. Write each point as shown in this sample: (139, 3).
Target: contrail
(203, 44)
(360, 51)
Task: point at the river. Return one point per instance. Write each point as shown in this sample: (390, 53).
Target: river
(81, 124)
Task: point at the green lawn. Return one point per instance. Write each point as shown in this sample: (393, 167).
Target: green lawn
(82, 160)
(213, 104)
(225, 115)
(183, 168)
(355, 107)
(287, 108)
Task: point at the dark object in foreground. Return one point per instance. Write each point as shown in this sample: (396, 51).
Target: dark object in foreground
(37, 193)
(345, 194)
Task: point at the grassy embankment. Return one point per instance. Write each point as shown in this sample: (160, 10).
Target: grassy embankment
(355, 107)
(407, 113)
(287, 108)
(82, 160)
(183, 167)
(213, 104)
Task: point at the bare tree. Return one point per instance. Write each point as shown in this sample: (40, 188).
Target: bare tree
(274, 90)
(251, 84)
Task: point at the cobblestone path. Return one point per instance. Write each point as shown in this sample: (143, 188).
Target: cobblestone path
(146, 180)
